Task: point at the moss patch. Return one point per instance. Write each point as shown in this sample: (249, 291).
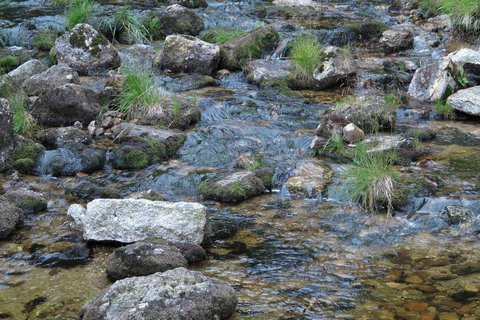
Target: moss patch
(44, 41)
(131, 159)
(8, 63)
(84, 39)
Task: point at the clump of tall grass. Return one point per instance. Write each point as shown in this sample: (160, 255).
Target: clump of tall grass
(306, 54)
(125, 23)
(137, 94)
(465, 14)
(79, 11)
(372, 180)
(21, 120)
(218, 35)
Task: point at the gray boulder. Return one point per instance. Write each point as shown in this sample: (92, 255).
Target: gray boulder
(174, 294)
(131, 220)
(27, 70)
(59, 137)
(176, 19)
(396, 40)
(268, 71)
(469, 61)
(336, 69)
(142, 259)
(6, 133)
(466, 100)
(65, 105)
(51, 78)
(11, 217)
(188, 54)
(434, 81)
(86, 51)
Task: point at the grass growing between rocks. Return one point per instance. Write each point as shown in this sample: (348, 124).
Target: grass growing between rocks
(306, 54)
(372, 180)
(8, 63)
(79, 11)
(465, 14)
(138, 93)
(218, 35)
(443, 110)
(21, 122)
(128, 25)
(44, 41)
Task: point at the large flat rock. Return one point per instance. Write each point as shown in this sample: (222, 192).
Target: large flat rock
(131, 220)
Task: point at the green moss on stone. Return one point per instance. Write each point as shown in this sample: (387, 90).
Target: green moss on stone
(131, 159)
(78, 39)
(44, 40)
(25, 165)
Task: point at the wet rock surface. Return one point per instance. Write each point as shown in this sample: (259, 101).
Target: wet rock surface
(142, 259)
(157, 296)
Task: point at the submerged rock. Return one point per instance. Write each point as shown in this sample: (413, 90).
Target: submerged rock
(131, 220)
(310, 177)
(86, 51)
(466, 100)
(65, 105)
(235, 187)
(434, 81)
(174, 294)
(188, 54)
(253, 45)
(27, 70)
(6, 133)
(142, 259)
(11, 217)
(51, 78)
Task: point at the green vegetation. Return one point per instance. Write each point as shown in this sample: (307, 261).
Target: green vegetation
(8, 63)
(138, 93)
(462, 78)
(443, 110)
(218, 35)
(306, 54)
(21, 121)
(131, 159)
(44, 41)
(255, 165)
(79, 11)
(26, 157)
(335, 146)
(372, 180)
(157, 149)
(125, 24)
(392, 101)
(465, 14)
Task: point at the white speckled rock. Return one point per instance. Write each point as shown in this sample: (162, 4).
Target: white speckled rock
(467, 100)
(131, 220)
(174, 294)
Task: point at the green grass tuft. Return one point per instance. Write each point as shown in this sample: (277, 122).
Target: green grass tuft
(125, 22)
(21, 122)
(44, 41)
(138, 93)
(465, 14)
(372, 180)
(306, 54)
(79, 11)
(443, 110)
(8, 63)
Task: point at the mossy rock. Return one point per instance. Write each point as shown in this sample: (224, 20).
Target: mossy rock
(44, 41)
(26, 157)
(237, 51)
(130, 159)
(234, 188)
(83, 38)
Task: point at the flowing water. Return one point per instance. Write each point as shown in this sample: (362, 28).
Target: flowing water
(291, 257)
